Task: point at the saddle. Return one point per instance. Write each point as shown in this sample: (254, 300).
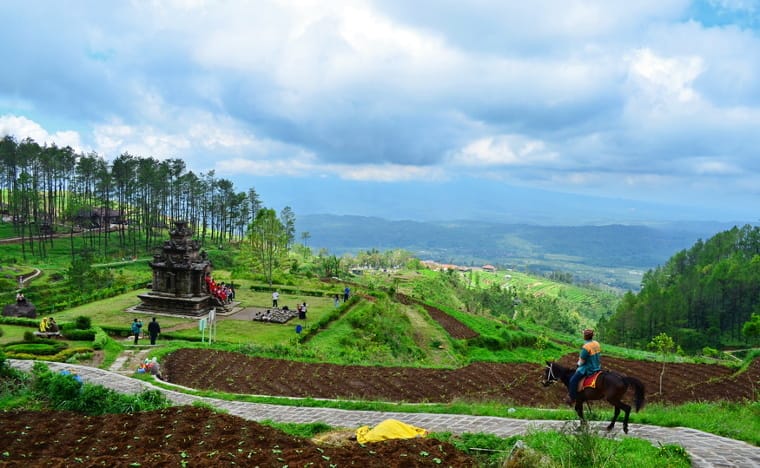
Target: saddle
(589, 381)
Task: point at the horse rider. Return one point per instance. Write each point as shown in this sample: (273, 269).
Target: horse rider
(589, 361)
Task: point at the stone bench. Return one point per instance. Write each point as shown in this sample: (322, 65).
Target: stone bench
(48, 334)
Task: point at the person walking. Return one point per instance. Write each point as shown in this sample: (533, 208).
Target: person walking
(346, 293)
(136, 327)
(153, 330)
(275, 298)
(589, 361)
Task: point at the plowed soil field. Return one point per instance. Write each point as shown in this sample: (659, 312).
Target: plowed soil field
(517, 384)
(197, 437)
(193, 437)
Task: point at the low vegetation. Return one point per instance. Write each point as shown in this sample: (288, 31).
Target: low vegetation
(513, 318)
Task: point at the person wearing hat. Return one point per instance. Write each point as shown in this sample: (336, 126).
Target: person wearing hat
(589, 362)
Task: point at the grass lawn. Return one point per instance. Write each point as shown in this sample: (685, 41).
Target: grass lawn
(14, 333)
(113, 312)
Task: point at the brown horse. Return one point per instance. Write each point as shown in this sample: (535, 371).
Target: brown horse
(610, 386)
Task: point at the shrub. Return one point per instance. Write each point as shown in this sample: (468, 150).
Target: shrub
(10, 376)
(29, 336)
(83, 323)
(1, 332)
(490, 343)
(80, 335)
(58, 388)
(67, 392)
(37, 348)
(100, 340)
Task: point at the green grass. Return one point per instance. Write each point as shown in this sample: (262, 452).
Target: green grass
(13, 333)
(734, 420)
(337, 342)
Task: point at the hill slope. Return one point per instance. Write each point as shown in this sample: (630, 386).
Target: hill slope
(604, 254)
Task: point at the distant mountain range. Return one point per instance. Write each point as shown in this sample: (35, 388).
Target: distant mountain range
(614, 254)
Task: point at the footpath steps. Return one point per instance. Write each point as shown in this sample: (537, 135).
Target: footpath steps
(129, 360)
(706, 450)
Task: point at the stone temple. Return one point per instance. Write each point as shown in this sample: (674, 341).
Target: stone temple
(179, 272)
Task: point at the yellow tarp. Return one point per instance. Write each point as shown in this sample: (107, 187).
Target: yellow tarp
(388, 429)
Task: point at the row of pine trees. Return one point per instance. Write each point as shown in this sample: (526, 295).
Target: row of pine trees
(46, 189)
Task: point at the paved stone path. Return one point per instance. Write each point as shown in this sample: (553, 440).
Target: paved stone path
(706, 450)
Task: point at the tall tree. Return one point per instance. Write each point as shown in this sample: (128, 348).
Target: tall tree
(268, 241)
(288, 220)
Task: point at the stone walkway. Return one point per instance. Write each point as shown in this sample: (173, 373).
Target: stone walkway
(706, 450)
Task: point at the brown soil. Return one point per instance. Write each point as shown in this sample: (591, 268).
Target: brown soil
(190, 436)
(194, 437)
(517, 384)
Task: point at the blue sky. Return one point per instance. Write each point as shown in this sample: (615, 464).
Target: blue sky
(413, 110)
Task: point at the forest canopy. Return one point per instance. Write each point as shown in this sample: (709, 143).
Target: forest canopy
(701, 297)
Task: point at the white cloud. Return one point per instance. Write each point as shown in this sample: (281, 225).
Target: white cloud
(390, 173)
(503, 150)
(22, 128)
(665, 80)
(715, 167)
(431, 90)
(280, 167)
(306, 165)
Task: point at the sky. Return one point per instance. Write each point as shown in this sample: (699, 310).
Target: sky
(572, 110)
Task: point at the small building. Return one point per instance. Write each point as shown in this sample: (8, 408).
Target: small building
(98, 217)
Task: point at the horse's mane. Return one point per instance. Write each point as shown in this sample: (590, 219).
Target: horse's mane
(560, 369)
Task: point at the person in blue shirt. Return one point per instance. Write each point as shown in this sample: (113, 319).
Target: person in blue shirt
(589, 361)
(136, 327)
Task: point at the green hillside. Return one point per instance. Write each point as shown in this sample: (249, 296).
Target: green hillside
(704, 296)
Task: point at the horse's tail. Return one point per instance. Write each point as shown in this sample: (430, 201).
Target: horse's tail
(638, 388)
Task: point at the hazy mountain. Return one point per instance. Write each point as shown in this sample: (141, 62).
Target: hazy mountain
(615, 254)
(485, 200)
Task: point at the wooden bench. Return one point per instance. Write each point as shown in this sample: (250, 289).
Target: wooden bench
(48, 334)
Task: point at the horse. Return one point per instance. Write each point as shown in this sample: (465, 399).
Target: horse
(610, 386)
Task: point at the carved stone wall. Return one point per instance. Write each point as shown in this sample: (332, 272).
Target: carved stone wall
(179, 272)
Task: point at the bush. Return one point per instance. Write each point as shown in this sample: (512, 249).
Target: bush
(57, 388)
(83, 323)
(79, 335)
(490, 343)
(10, 377)
(66, 391)
(1, 332)
(37, 348)
(100, 340)
(29, 336)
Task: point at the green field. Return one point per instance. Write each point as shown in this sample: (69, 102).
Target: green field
(373, 329)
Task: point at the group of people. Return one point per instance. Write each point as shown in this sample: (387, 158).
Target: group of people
(48, 325)
(301, 309)
(152, 367)
(153, 329)
(225, 293)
